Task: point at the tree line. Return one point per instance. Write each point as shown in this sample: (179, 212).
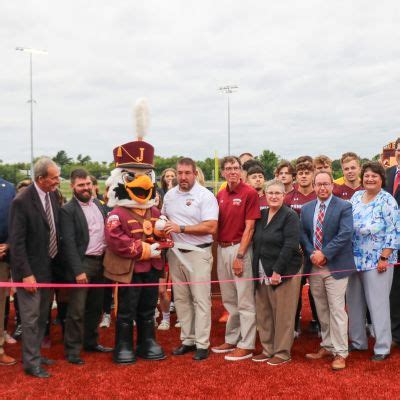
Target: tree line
(19, 171)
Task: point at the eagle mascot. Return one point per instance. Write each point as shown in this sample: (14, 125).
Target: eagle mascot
(133, 244)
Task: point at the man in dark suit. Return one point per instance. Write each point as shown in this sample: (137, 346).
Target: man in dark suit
(83, 245)
(326, 237)
(393, 187)
(34, 249)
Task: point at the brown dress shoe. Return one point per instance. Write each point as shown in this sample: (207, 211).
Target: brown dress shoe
(338, 363)
(322, 353)
(7, 360)
(277, 361)
(223, 348)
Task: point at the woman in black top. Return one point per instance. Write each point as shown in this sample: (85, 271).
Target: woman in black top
(276, 255)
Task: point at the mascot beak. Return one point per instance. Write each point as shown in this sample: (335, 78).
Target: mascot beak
(140, 189)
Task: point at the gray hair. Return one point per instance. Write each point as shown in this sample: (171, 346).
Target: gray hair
(41, 167)
(275, 182)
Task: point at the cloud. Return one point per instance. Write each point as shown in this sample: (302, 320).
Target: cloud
(313, 76)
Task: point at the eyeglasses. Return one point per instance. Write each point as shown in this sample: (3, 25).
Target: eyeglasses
(274, 194)
(232, 169)
(323, 184)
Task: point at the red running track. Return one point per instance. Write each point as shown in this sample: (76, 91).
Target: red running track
(181, 377)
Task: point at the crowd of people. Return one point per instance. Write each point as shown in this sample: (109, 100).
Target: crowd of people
(300, 227)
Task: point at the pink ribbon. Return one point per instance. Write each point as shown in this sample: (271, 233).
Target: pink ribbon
(99, 285)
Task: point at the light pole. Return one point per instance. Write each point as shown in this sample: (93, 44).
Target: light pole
(31, 51)
(228, 89)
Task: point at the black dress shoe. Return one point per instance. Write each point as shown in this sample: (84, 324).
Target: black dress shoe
(75, 360)
(37, 372)
(183, 349)
(379, 357)
(99, 349)
(201, 354)
(47, 361)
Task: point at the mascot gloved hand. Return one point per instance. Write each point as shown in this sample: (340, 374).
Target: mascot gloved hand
(131, 241)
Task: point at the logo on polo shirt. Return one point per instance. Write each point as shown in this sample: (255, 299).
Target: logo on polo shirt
(237, 202)
(189, 202)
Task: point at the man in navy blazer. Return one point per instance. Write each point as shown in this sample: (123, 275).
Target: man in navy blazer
(326, 238)
(393, 187)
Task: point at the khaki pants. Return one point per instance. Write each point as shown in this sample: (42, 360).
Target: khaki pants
(4, 275)
(238, 298)
(329, 295)
(193, 302)
(276, 313)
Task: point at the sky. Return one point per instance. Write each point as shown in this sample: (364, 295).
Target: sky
(313, 76)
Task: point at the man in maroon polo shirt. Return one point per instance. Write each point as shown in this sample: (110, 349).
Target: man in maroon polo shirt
(351, 168)
(256, 179)
(238, 210)
(302, 193)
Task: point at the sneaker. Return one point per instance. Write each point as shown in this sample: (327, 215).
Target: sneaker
(239, 354)
(172, 307)
(105, 321)
(338, 363)
(261, 358)
(223, 348)
(164, 325)
(277, 361)
(178, 324)
(224, 317)
(9, 339)
(7, 360)
(322, 353)
(18, 332)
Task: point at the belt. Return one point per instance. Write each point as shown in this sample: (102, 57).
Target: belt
(95, 257)
(227, 244)
(201, 246)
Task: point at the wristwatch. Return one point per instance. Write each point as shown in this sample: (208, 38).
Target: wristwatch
(383, 258)
(240, 256)
(182, 228)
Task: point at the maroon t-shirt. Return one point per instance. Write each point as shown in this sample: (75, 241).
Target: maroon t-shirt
(235, 207)
(295, 200)
(345, 192)
(263, 202)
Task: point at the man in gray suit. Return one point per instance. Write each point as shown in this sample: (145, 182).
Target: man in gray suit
(83, 245)
(34, 251)
(326, 233)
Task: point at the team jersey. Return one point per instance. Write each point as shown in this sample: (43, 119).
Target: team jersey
(295, 200)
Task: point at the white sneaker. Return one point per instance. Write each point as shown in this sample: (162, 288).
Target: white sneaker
(9, 339)
(178, 324)
(172, 307)
(164, 325)
(106, 321)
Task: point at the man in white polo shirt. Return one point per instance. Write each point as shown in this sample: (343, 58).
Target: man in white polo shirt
(192, 211)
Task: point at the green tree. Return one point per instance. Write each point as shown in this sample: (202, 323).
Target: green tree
(82, 160)
(269, 160)
(62, 158)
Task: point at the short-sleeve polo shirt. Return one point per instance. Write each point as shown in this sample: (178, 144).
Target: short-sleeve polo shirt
(235, 207)
(190, 208)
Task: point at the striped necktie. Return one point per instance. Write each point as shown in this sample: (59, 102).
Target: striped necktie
(53, 238)
(318, 229)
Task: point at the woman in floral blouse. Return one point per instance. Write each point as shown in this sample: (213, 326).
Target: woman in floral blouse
(374, 241)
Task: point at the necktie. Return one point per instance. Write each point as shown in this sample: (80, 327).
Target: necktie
(396, 182)
(53, 238)
(318, 229)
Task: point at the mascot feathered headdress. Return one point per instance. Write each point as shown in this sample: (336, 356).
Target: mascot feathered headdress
(132, 182)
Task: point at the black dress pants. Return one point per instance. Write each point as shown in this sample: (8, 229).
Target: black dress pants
(138, 303)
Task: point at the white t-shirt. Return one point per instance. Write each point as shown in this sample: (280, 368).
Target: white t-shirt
(190, 208)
